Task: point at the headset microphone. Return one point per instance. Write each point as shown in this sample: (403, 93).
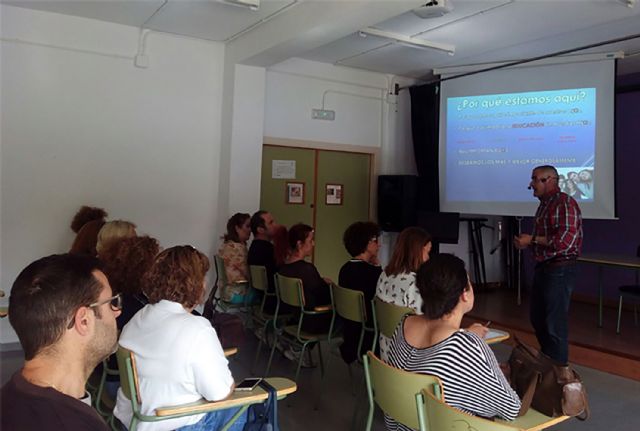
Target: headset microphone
(529, 188)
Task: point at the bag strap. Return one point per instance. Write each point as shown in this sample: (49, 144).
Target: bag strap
(527, 398)
(271, 405)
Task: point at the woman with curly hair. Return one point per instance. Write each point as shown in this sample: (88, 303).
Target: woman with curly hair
(361, 273)
(86, 224)
(179, 358)
(125, 262)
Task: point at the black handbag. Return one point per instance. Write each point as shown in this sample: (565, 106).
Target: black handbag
(264, 417)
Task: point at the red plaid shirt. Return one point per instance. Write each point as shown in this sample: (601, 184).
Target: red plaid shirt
(558, 218)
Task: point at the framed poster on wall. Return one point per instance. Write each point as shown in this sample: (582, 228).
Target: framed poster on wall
(295, 193)
(333, 194)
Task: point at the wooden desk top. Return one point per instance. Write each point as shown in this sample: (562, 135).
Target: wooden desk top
(496, 336)
(632, 262)
(237, 398)
(534, 421)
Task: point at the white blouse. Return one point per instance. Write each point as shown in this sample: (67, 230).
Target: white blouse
(179, 360)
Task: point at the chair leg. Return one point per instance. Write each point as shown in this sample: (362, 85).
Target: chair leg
(255, 360)
(273, 350)
(321, 361)
(359, 401)
(322, 379)
(353, 389)
(304, 347)
(619, 314)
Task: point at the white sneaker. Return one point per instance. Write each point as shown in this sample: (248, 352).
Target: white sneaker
(294, 356)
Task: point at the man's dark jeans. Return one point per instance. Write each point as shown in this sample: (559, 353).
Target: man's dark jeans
(552, 287)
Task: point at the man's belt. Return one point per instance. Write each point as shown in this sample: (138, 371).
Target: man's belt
(557, 261)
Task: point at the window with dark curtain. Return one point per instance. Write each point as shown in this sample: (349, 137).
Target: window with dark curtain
(425, 117)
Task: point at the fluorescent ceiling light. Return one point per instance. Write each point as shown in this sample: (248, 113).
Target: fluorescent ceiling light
(413, 42)
(251, 4)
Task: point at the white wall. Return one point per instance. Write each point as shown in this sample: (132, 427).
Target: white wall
(82, 125)
(246, 139)
(365, 114)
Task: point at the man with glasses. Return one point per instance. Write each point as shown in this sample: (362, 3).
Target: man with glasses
(555, 243)
(64, 313)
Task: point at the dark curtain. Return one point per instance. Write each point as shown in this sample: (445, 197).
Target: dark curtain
(425, 117)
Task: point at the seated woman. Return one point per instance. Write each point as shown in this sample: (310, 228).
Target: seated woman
(360, 273)
(434, 344)
(234, 253)
(179, 358)
(397, 284)
(125, 262)
(113, 231)
(316, 288)
(86, 224)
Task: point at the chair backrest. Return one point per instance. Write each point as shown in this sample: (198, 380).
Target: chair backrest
(128, 376)
(349, 303)
(290, 290)
(436, 415)
(394, 390)
(220, 270)
(259, 278)
(387, 316)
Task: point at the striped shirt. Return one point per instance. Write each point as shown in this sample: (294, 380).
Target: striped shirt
(472, 379)
(558, 218)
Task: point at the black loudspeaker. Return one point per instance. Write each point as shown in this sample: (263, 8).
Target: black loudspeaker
(397, 201)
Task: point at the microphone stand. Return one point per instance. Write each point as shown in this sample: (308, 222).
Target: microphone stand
(519, 267)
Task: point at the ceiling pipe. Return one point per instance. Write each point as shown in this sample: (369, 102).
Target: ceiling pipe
(412, 42)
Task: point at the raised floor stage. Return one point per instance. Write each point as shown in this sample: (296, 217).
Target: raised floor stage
(590, 346)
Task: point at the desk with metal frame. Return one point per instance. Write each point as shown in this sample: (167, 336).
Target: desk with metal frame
(602, 260)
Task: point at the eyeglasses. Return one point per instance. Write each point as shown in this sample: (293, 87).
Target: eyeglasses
(542, 180)
(115, 302)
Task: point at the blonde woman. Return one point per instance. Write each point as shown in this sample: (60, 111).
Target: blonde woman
(112, 231)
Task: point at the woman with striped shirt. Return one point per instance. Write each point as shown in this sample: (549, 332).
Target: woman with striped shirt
(433, 343)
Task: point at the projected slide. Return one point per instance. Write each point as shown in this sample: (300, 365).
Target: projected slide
(493, 140)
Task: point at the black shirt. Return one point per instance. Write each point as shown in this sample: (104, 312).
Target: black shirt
(358, 275)
(316, 293)
(27, 407)
(261, 253)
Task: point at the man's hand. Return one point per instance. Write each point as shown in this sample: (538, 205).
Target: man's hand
(523, 241)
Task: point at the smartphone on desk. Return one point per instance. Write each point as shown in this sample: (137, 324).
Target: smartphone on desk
(248, 384)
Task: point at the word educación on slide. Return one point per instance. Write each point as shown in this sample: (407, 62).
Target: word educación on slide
(493, 137)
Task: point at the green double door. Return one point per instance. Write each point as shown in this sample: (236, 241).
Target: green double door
(346, 177)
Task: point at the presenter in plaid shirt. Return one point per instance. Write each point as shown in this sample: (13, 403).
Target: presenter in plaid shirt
(555, 244)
